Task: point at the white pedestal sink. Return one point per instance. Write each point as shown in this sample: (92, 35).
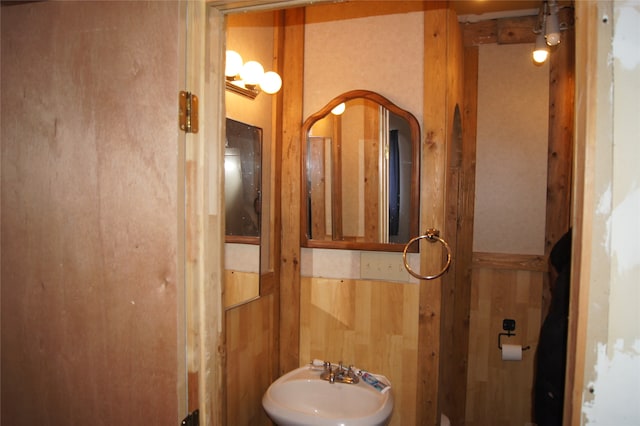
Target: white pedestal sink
(300, 397)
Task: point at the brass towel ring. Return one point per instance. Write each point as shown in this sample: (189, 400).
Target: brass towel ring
(432, 235)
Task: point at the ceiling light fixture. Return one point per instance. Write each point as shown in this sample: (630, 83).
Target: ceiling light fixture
(548, 30)
(552, 29)
(248, 79)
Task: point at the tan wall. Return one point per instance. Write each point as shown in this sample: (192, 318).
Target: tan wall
(511, 162)
(378, 53)
(90, 175)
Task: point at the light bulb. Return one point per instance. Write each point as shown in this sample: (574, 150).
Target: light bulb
(233, 64)
(271, 82)
(251, 73)
(541, 51)
(338, 109)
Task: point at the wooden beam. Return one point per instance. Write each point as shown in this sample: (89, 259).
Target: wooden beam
(432, 207)
(289, 316)
(519, 29)
(560, 150)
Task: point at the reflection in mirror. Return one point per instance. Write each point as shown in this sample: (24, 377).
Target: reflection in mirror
(243, 206)
(242, 181)
(361, 182)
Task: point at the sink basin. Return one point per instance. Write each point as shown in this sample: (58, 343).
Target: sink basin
(300, 397)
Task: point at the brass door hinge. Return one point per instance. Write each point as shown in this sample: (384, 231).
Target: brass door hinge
(188, 112)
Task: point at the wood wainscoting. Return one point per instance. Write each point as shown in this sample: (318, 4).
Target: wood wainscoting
(371, 324)
(503, 286)
(251, 349)
(240, 287)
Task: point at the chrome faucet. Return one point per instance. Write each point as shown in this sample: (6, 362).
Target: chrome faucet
(339, 374)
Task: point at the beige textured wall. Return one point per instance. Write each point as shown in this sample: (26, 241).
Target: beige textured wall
(511, 162)
(89, 213)
(383, 54)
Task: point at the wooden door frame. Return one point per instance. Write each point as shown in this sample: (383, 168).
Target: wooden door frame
(203, 228)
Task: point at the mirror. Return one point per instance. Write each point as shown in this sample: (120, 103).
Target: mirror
(242, 182)
(361, 174)
(243, 206)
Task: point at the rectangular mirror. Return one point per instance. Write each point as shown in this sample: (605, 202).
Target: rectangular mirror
(243, 206)
(242, 182)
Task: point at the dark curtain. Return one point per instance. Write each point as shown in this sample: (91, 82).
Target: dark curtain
(551, 354)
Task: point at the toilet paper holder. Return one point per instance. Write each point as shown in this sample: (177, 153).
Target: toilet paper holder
(508, 325)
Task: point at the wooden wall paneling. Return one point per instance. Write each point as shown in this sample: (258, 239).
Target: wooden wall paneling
(250, 345)
(499, 392)
(525, 262)
(290, 213)
(371, 324)
(432, 206)
(240, 286)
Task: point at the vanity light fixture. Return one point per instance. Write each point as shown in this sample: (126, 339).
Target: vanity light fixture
(248, 79)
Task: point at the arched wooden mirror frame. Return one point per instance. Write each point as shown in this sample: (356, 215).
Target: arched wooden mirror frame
(414, 210)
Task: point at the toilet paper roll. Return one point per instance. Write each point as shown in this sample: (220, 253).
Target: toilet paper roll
(512, 352)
